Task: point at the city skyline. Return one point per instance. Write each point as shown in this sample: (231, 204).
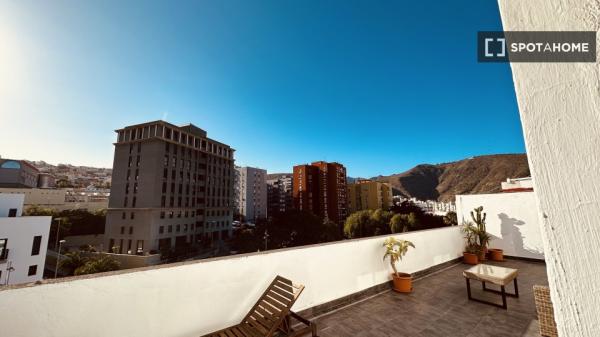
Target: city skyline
(371, 87)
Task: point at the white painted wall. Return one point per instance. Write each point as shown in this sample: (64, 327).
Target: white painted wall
(20, 232)
(512, 220)
(559, 105)
(199, 297)
(8, 201)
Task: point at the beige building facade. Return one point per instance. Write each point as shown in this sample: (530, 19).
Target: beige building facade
(368, 194)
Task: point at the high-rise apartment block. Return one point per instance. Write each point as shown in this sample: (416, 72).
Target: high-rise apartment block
(367, 194)
(320, 188)
(251, 193)
(171, 186)
(279, 194)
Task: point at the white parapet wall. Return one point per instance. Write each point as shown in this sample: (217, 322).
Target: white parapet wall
(198, 297)
(512, 220)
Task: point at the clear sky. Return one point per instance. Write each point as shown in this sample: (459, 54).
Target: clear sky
(379, 86)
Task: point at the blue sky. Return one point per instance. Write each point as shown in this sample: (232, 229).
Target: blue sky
(379, 86)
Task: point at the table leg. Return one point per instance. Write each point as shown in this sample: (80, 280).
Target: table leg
(516, 287)
(468, 288)
(503, 291)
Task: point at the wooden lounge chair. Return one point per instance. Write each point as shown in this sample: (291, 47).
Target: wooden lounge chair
(271, 314)
(545, 311)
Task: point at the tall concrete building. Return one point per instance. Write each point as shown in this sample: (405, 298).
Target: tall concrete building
(320, 188)
(279, 194)
(251, 193)
(171, 186)
(367, 194)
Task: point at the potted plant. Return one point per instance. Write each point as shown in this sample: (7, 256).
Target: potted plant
(472, 248)
(496, 254)
(395, 250)
(483, 237)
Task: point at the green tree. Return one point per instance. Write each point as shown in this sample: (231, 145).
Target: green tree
(413, 220)
(380, 221)
(358, 224)
(74, 261)
(450, 219)
(399, 223)
(98, 265)
(403, 222)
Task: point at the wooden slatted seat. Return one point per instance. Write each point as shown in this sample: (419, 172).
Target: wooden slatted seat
(272, 314)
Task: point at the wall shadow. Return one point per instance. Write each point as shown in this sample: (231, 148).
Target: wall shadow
(511, 235)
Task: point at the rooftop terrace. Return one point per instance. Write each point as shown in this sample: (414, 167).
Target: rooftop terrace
(439, 307)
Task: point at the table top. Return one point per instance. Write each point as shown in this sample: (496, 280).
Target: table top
(492, 274)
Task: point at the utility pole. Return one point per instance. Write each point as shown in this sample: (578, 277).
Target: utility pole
(266, 237)
(59, 220)
(58, 257)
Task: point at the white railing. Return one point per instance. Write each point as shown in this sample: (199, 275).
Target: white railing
(197, 297)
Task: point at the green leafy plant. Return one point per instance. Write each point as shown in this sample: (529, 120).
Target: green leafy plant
(395, 250)
(472, 239)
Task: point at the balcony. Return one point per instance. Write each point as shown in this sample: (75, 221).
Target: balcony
(347, 293)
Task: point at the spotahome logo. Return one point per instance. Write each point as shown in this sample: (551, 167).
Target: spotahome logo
(536, 46)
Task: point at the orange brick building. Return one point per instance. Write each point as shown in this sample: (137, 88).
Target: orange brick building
(320, 188)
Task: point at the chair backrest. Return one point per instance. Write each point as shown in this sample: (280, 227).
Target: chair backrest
(545, 311)
(269, 312)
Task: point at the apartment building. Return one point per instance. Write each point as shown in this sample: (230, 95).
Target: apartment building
(21, 174)
(320, 188)
(171, 186)
(279, 193)
(251, 193)
(367, 194)
(23, 242)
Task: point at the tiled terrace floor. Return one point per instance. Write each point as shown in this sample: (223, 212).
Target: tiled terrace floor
(439, 306)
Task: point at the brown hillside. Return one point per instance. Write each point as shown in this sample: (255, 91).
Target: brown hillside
(442, 182)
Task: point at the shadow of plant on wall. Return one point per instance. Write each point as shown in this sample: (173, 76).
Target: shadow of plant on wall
(511, 234)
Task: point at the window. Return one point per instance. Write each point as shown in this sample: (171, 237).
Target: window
(162, 215)
(170, 228)
(178, 228)
(122, 229)
(12, 212)
(32, 270)
(123, 216)
(128, 246)
(3, 249)
(133, 202)
(132, 215)
(130, 229)
(140, 246)
(37, 242)
(161, 229)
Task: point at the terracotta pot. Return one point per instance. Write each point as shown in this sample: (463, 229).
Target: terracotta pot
(403, 283)
(496, 254)
(469, 258)
(483, 254)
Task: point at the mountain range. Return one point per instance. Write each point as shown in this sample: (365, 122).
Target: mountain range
(481, 174)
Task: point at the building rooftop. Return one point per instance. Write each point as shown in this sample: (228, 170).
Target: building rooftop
(438, 306)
